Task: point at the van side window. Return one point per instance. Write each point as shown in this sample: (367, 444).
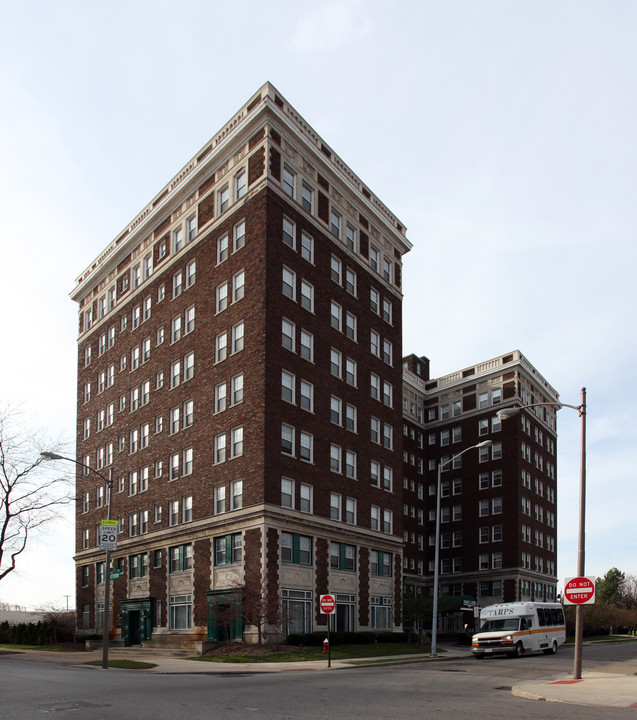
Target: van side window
(557, 616)
(541, 618)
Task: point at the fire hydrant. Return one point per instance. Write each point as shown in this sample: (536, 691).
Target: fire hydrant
(326, 646)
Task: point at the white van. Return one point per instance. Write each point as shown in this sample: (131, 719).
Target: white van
(519, 627)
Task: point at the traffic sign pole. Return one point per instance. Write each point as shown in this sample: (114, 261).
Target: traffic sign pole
(327, 604)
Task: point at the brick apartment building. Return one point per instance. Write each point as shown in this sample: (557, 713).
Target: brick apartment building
(498, 503)
(240, 375)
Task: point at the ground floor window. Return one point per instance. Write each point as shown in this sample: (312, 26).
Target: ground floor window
(381, 613)
(86, 617)
(180, 612)
(491, 589)
(297, 611)
(99, 616)
(345, 613)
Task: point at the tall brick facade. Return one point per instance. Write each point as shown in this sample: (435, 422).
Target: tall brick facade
(239, 372)
(498, 504)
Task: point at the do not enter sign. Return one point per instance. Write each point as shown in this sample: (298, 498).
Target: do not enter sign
(328, 604)
(579, 591)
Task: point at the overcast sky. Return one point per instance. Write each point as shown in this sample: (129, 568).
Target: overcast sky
(501, 133)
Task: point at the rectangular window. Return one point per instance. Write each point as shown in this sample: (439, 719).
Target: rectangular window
(240, 182)
(335, 506)
(306, 395)
(238, 285)
(222, 297)
(236, 388)
(220, 448)
(307, 198)
(239, 236)
(306, 498)
(288, 334)
(296, 548)
(238, 332)
(350, 326)
(222, 249)
(350, 511)
(236, 498)
(287, 386)
(336, 410)
(228, 549)
(336, 363)
(287, 493)
(220, 499)
(342, 556)
(307, 295)
(289, 283)
(289, 233)
(335, 224)
(335, 458)
(350, 464)
(236, 442)
(307, 247)
(336, 316)
(287, 439)
(223, 199)
(221, 347)
(336, 270)
(289, 181)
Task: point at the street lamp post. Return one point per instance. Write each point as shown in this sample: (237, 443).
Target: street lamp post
(434, 616)
(107, 583)
(581, 545)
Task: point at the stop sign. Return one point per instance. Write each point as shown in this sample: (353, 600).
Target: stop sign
(328, 604)
(580, 591)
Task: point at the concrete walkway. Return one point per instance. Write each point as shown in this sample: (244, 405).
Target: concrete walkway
(614, 685)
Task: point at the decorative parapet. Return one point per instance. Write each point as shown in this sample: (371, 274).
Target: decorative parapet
(479, 371)
(267, 96)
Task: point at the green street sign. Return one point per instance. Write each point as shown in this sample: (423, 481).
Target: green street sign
(115, 574)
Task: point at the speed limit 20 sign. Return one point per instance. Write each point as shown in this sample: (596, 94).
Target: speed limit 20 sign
(108, 534)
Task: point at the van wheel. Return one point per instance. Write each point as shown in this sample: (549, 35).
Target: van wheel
(552, 650)
(518, 651)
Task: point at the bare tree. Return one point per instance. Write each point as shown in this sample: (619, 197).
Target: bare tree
(30, 495)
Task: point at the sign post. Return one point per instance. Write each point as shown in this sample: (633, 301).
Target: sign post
(579, 591)
(328, 607)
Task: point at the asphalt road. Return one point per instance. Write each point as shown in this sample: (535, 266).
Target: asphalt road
(461, 688)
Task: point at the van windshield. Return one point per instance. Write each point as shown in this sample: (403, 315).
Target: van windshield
(509, 624)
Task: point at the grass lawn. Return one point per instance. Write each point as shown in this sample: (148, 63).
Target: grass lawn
(301, 654)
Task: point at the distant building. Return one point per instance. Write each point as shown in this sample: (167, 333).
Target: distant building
(239, 372)
(498, 504)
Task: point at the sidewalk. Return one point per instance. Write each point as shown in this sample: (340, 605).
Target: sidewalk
(614, 685)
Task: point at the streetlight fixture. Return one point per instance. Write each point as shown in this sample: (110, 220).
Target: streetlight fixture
(434, 617)
(579, 610)
(107, 583)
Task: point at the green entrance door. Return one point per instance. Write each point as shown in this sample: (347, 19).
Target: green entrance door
(137, 622)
